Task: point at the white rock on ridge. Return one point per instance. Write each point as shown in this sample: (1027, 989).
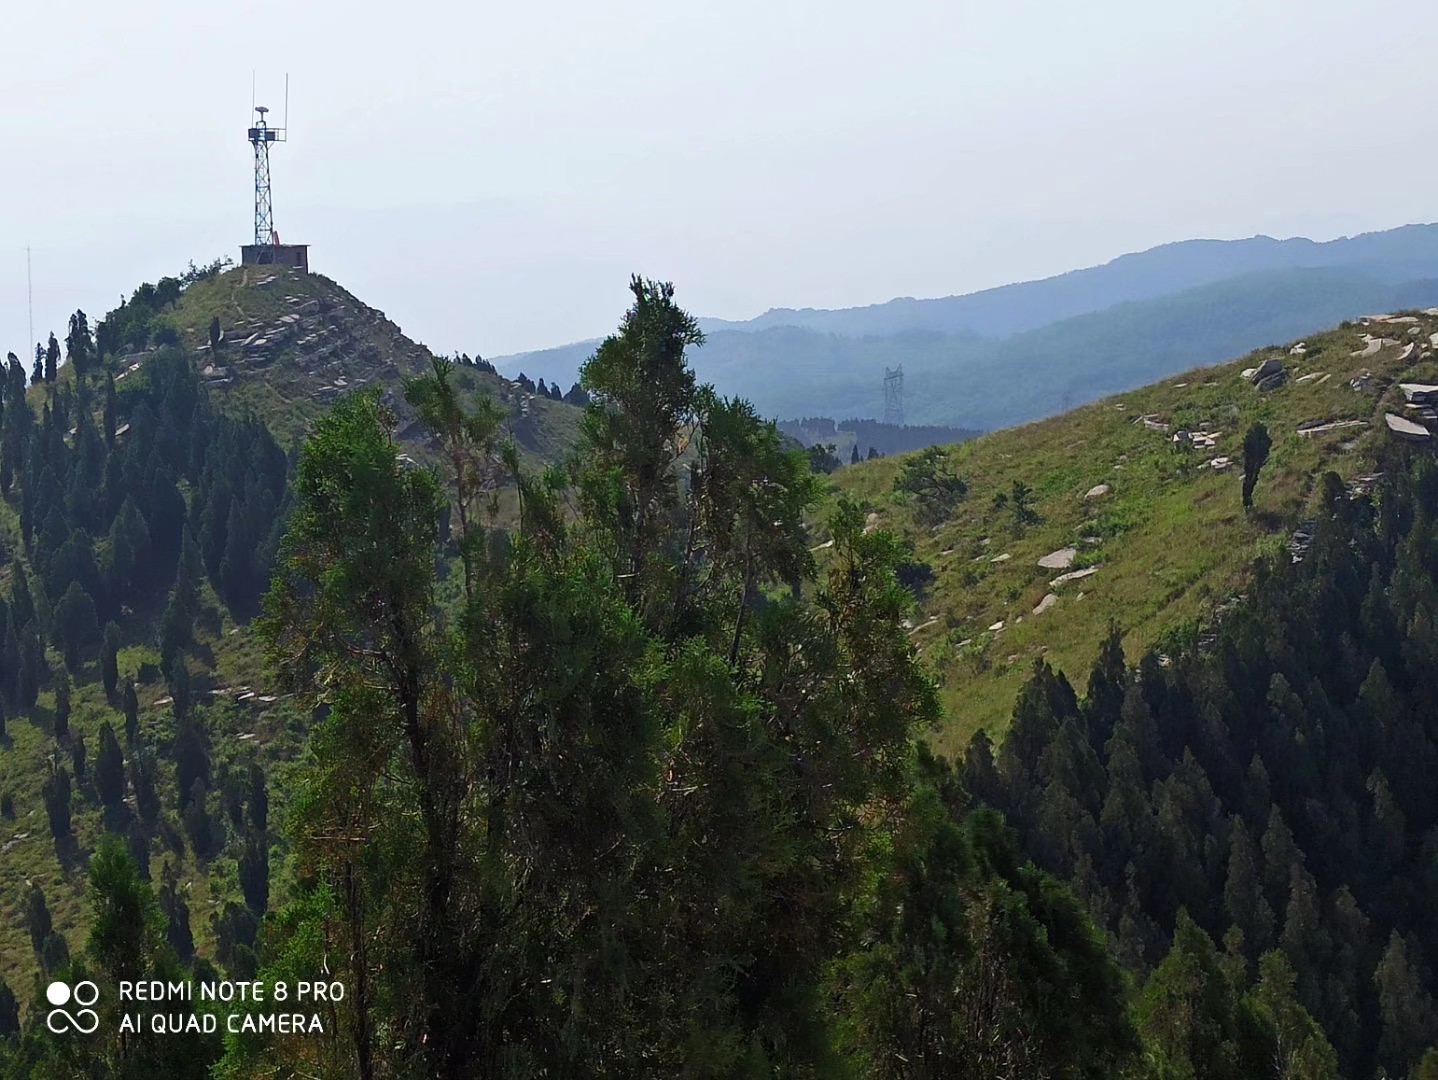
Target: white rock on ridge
(1061, 559)
(1074, 575)
(1266, 370)
(1406, 429)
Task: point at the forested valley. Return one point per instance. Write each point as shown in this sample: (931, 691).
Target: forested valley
(605, 773)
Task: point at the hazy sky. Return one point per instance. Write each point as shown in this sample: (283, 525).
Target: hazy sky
(490, 174)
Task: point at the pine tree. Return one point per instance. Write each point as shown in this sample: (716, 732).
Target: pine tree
(127, 942)
(1194, 1016)
(1409, 1020)
(254, 872)
(1427, 1068)
(137, 842)
(235, 933)
(78, 346)
(1256, 444)
(109, 660)
(61, 678)
(1280, 857)
(1107, 683)
(9, 1013)
(76, 624)
(37, 917)
(130, 705)
(1301, 1052)
(56, 794)
(177, 916)
(142, 782)
(199, 826)
(259, 800)
(78, 757)
(109, 768)
(111, 407)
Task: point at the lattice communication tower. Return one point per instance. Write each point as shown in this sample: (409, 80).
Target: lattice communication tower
(261, 136)
(894, 396)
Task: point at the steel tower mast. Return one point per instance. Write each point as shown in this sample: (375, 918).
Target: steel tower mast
(894, 396)
(261, 135)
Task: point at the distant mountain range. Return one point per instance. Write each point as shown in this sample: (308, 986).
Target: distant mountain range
(1020, 352)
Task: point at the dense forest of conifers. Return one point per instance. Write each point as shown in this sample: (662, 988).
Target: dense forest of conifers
(633, 787)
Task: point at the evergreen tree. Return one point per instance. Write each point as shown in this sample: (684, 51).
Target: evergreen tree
(1243, 898)
(947, 987)
(1256, 444)
(676, 761)
(1300, 1050)
(127, 942)
(130, 705)
(111, 407)
(1407, 1013)
(109, 660)
(109, 768)
(235, 934)
(192, 758)
(78, 757)
(56, 793)
(78, 346)
(177, 916)
(142, 782)
(259, 800)
(9, 1013)
(138, 843)
(1194, 1016)
(254, 870)
(61, 678)
(199, 827)
(37, 917)
(76, 625)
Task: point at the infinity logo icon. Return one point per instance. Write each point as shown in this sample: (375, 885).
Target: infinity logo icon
(85, 1020)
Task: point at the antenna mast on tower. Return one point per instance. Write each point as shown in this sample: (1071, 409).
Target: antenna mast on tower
(29, 293)
(261, 135)
(267, 249)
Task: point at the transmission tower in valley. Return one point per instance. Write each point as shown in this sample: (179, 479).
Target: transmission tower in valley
(894, 396)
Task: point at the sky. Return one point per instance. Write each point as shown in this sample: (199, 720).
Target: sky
(490, 174)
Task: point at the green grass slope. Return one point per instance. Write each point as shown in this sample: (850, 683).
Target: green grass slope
(1170, 541)
(293, 343)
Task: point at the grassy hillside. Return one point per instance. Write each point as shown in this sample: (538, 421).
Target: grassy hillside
(294, 343)
(1168, 541)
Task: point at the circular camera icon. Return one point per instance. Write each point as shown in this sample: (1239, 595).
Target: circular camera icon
(84, 1020)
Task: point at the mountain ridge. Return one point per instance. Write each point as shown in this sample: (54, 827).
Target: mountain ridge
(958, 378)
(1008, 309)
